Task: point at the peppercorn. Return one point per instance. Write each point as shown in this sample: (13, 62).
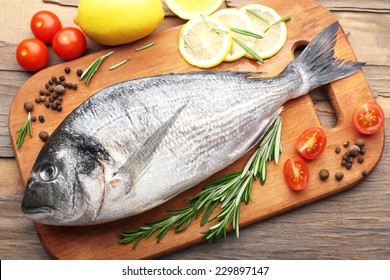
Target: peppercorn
(51, 99)
(53, 106)
(50, 82)
(345, 157)
(360, 143)
(67, 70)
(41, 118)
(339, 175)
(354, 150)
(47, 93)
(43, 99)
(47, 104)
(60, 98)
(51, 89)
(343, 163)
(74, 86)
(41, 92)
(59, 108)
(362, 151)
(79, 72)
(346, 144)
(37, 100)
(364, 173)
(47, 86)
(337, 150)
(62, 78)
(57, 82)
(28, 106)
(360, 159)
(60, 89)
(324, 174)
(33, 118)
(348, 165)
(350, 160)
(58, 102)
(69, 85)
(55, 95)
(43, 135)
(54, 78)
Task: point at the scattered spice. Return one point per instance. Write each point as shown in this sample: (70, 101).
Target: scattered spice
(43, 135)
(67, 70)
(28, 106)
(339, 175)
(79, 72)
(37, 100)
(354, 150)
(324, 174)
(360, 143)
(33, 118)
(62, 78)
(41, 118)
(360, 160)
(346, 144)
(362, 151)
(364, 173)
(337, 150)
(60, 89)
(42, 92)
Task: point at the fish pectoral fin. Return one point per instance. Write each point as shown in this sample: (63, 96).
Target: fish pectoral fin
(137, 163)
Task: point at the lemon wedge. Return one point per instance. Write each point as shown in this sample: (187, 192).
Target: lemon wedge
(266, 22)
(205, 41)
(188, 9)
(236, 19)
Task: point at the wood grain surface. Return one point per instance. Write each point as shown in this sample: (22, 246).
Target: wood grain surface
(351, 225)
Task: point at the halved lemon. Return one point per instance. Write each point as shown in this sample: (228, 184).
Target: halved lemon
(265, 22)
(188, 9)
(205, 41)
(236, 19)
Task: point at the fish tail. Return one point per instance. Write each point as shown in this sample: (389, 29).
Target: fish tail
(317, 64)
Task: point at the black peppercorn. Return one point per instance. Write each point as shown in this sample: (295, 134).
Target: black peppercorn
(50, 82)
(47, 104)
(339, 175)
(53, 78)
(62, 78)
(51, 89)
(69, 85)
(37, 100)
(362, 151)
(67, 70)
(337, 150)
(346, 144)
(33, 118)
(43, 99)
(55, 95)
(47, 93)
(53, 106)
(350, 160)
(51, 99)
(348, 165)
(360, 160)
(364, 173)
(28, 106)
(343, 163)
(41, 118)
(41, 92)
(79, 72)
(360, 142)
(59, 108)
(324, 174)
(58, 102)
(43, 135)
(354, 150)
(74, 86)
(60, 98)
(47, 86)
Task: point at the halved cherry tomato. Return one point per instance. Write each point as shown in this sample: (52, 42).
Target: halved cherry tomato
(69, 43)
(296, 173)
(368, 118)
(44, 25)
(32, 54)
(311, 143)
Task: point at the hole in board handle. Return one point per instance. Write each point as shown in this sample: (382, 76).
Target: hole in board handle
(319, 96)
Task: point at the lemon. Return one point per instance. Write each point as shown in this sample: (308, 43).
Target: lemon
(188, 9)
(118, 22)
(264, 20)
(205, 41)
(236, 19)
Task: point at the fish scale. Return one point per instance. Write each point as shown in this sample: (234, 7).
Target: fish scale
(136, 144)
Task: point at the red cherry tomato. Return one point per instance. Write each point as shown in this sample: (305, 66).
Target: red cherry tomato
(368, 118)
(296, 173)
(32, 54)
(44, 25)
(69, 43)
(311, 143)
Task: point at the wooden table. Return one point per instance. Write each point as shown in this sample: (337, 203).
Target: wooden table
(352, 225)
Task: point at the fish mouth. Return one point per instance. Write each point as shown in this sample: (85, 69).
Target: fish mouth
(38, 213)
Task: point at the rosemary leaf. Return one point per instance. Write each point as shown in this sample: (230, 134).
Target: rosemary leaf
(246, 33)
(187, 41)
(119, 63)
(93, 67)
(284, 19)
(205, 21)
(218, 31)
(248, 50)
(25, 129)
(146, 46)
(252, 12)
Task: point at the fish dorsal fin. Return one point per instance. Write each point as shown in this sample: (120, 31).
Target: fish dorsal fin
(136, 164)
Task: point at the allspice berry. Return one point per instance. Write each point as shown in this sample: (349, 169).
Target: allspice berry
(339, 175)
(60, 89)
(28, 106)
(43, 135)
(324, 174)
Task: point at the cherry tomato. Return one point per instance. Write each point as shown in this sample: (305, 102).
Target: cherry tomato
(32, 54)
(69, 43)
(311, 143)
(296, 173)
(44, 25)
(368, 118)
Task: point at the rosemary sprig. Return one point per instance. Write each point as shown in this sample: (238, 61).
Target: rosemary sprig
(91, 70)
(228, 191)
(146, 46)
(119, 63)
(252, 12)
(246, 33)
(25, 129)
(284, 19)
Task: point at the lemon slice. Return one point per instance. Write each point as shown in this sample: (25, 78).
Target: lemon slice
(236, 19)
(205, 41)
(265, 22)
(188, 9)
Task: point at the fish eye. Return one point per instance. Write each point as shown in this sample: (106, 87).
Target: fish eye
(48, 172)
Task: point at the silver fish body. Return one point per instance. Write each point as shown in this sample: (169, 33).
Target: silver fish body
(134, 145)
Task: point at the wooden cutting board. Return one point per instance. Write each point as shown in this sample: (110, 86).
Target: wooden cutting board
(101, 241)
